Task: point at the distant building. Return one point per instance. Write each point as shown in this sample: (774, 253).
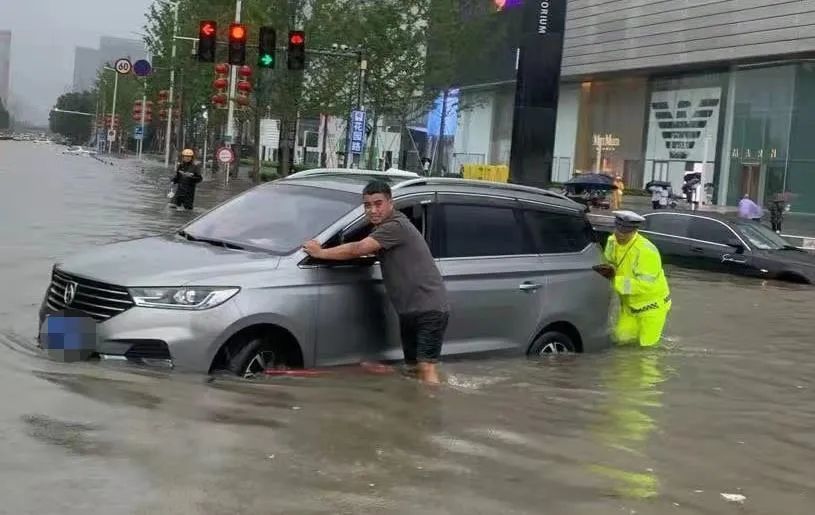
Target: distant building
(5, 66)
(87, 61)
(86, 64)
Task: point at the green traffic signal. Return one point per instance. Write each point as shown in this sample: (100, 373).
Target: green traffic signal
(267, 42)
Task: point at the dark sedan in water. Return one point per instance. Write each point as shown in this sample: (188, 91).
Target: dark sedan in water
(723, 244)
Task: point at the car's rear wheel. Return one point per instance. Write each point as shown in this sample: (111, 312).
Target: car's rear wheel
(255, 357)
(552, 343)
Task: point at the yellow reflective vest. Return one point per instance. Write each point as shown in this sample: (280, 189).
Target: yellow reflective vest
(640, 280)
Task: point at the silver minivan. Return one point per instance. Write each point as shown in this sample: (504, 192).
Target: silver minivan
(233, 290)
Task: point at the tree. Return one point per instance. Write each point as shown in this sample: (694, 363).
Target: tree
(75, 127)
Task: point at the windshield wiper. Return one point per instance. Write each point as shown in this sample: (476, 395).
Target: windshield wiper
(214, 242)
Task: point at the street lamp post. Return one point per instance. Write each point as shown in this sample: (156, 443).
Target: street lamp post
(172, 88)
(113, 108)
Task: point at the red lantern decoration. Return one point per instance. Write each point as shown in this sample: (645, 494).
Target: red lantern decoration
(218, 99)
(221, 68)
(245, 71)
(242, 100)
(220, 83)
(163, 95)
(244, 86)
(163, 114)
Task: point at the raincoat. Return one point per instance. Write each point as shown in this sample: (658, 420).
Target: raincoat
(645, 298)
(187, 177)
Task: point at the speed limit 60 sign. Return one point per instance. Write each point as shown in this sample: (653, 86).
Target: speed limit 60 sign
(225, 155)
(123, 66)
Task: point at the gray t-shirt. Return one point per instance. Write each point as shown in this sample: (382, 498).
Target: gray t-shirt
(412, 280)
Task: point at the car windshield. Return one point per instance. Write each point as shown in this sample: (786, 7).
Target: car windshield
(277, 217)
(762, 237)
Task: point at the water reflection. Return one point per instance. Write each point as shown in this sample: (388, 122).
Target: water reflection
(634, 398)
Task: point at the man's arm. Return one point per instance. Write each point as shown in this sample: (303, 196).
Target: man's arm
(344, 252)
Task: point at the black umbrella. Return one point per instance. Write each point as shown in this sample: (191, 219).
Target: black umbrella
(592, 181)
(659, 184)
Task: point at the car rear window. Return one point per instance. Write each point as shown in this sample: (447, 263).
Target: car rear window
(558, 233)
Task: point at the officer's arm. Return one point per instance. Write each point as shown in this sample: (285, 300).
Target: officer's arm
(646, 270)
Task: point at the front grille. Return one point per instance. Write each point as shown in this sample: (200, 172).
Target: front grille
(148, 349)
(100, 301)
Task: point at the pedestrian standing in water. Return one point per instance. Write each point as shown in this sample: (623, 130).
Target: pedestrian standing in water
(187, 177)
(777, 209)
(412, 279)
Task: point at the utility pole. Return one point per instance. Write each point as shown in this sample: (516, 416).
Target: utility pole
(172, 90)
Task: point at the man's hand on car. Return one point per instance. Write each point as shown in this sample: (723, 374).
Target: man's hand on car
(313, 248)
(606, 271)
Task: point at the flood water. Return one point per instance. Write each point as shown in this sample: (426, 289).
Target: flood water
(718, 421)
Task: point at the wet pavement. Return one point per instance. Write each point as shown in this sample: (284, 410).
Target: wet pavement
(719, 421)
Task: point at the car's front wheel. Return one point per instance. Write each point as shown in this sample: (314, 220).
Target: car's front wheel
(550, 343)
(257, 356)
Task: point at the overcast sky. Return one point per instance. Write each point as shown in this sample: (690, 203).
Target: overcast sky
(44, 34)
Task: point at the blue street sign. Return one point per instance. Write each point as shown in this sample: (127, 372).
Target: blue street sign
(138, 132)
(142, 68)
(356, 132)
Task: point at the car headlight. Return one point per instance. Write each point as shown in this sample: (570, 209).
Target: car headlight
(187, 297)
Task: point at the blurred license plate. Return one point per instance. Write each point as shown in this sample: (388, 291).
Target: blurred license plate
(68, 338)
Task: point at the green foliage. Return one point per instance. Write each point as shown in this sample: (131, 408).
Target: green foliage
(75, 127)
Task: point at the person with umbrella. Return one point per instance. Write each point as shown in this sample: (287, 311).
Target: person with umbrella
(634, 267)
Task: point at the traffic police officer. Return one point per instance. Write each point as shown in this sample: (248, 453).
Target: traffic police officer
(635, 270)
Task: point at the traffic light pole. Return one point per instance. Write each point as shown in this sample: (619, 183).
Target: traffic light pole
(233, 77)
(143, 109)
(167, 134)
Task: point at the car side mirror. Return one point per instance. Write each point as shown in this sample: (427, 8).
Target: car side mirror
(736, 244)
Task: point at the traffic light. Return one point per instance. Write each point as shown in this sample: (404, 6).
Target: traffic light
(267, 41)
(297, 50)
(237, 44)
(207, 34)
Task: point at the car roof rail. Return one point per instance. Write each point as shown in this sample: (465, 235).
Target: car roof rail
(392, 172)
(429, 181)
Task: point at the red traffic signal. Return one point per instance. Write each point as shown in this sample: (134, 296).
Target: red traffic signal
(237, 32)
(297, 50)
(207, 34)
(237, 44)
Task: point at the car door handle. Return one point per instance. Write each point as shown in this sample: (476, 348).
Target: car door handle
(530, 286)
(698, 250)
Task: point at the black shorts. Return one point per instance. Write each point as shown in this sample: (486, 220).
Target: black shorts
(422, 336)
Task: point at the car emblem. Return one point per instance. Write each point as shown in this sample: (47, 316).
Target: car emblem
(70, 293)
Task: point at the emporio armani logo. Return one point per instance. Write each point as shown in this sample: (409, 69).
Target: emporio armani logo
(682, 127)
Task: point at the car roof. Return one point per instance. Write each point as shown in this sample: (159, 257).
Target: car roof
(723, 217)
(401, 182)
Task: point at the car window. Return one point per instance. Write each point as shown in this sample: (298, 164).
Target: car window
(275, 217)
(554, 233)
(705, 229)
(761, 237)
(470, 230)
(673, 225)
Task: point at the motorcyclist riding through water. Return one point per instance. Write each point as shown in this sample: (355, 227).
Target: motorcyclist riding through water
(187, 177)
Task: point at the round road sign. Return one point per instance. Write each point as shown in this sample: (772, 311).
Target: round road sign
(225, 155)
(123, 66)
(142, 68)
